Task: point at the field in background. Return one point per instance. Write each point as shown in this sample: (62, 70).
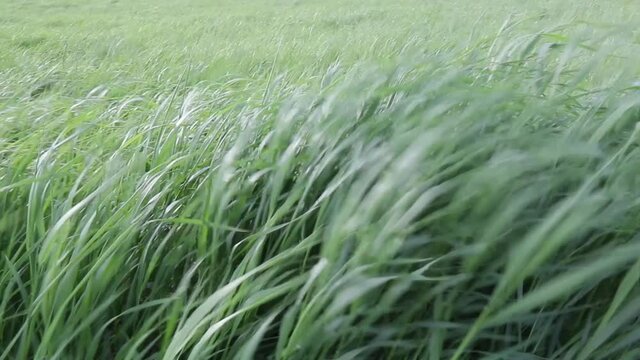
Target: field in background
(319, 180)
(133, 45)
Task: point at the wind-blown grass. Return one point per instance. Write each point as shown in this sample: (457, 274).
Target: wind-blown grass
(466, 204)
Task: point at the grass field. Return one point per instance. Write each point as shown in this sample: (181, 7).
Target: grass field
(287, 179)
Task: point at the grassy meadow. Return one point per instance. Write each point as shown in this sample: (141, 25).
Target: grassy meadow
(288, 179)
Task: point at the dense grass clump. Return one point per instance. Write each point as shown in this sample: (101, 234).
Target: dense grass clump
(469, 203)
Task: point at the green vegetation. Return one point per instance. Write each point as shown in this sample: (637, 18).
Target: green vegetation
(319, 180)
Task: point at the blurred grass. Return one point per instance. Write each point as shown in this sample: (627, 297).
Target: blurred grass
(319, 181)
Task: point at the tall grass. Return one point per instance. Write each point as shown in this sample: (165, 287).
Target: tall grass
(454, 205)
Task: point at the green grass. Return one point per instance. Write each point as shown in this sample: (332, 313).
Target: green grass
(306, 180)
